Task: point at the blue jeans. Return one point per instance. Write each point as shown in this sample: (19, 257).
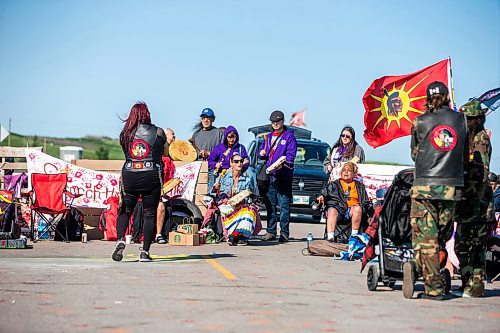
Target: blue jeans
(211, 180)
(280, 192)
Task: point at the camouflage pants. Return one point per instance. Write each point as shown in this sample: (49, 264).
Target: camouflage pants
(431, 222)
(470, 248)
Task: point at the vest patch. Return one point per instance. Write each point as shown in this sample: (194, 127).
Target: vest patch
(139, 149)
(443, 138)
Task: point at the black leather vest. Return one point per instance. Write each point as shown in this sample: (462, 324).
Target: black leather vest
(441, 137)
(145, 150)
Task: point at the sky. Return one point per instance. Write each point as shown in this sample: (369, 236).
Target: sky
(73, 68)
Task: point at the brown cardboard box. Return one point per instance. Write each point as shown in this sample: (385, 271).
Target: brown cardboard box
(192, 240)
(188, 229)
(180, 239)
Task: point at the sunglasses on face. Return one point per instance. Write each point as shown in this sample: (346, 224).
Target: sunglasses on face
(346, 136)
(238, 161)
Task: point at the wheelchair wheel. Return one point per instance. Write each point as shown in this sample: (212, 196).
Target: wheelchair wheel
(372, 277)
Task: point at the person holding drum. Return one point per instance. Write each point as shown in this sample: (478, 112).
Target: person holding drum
(205, 138)
(219, 158)
(278, 145)
(143, 145)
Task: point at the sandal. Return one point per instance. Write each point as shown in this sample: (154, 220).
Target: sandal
(160, 240)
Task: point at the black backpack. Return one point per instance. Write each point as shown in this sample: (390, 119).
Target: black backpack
(74, 221)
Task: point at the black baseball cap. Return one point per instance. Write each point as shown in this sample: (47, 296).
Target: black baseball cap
(436, 87)
(277, 116)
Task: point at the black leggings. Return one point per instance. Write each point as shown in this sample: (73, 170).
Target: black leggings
(145, 185)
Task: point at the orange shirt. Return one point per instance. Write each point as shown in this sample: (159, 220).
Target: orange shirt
(350, 192)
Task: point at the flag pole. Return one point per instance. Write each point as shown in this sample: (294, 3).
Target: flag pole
(452, 88)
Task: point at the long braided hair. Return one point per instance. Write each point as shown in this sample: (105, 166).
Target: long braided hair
(350, 147)
(139, 114)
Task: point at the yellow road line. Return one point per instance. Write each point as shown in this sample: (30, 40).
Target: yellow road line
(227, 274)
(153, 256)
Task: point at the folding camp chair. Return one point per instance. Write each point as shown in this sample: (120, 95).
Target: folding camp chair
(343, 228)
(50, 202)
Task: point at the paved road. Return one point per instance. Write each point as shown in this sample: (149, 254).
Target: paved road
(265, 287)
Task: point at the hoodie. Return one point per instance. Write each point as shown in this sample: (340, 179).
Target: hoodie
(287, 146)
(222, 152)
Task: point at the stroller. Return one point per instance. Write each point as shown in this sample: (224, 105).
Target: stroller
(390, 228)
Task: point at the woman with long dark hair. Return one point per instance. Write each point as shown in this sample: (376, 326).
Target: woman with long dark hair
(344, 150)
(143, 145)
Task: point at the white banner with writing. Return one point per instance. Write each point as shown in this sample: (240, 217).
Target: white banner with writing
(188, 175)
(97, 186)
(374, 176)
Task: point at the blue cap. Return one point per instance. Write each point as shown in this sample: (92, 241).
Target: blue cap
(207, 112)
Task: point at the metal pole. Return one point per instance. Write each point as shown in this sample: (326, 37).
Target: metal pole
(10, 131)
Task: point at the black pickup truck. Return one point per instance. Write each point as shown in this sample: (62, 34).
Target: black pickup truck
(308, 175)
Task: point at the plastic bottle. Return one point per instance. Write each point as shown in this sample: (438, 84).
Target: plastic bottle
(309, 238)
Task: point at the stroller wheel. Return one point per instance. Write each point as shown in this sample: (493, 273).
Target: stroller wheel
(372, 278)
(445, 273)
(391, 283)
(409, 277)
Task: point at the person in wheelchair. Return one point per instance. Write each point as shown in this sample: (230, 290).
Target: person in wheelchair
(238, 216)
(345, 199)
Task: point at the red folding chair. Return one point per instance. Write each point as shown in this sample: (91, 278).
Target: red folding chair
(51, 202)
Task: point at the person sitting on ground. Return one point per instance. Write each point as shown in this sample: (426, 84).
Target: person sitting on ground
(345, 198)
(168, 173)
(233, 181)
(220, 156)
(344, 150)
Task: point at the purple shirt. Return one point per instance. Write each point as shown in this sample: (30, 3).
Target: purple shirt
(286, 146)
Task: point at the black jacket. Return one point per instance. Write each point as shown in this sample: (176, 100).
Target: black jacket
(145, 150)
(439, 145)
(335, 197)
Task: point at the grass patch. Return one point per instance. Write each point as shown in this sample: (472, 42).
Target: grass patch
(94, 147)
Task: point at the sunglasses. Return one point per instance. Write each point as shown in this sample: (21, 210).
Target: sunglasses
(238, 161)
(346, 136)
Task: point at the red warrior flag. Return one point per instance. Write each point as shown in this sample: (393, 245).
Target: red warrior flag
(393, 102)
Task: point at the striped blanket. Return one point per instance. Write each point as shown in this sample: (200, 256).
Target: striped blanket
(241, 221)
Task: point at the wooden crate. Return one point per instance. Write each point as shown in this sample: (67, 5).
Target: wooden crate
(91, 220)
(13, 152)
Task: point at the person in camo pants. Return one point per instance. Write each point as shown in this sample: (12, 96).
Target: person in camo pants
(472, 229)
(438, 147)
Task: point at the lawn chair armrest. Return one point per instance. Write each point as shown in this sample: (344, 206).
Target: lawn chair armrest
(71, 195)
